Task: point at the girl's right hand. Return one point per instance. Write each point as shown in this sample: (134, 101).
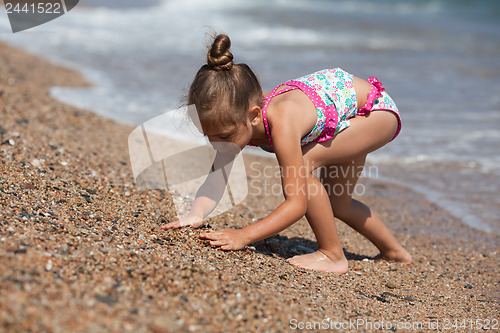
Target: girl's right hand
(192, 221)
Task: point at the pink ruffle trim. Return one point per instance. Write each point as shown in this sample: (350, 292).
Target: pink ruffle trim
(374, 93)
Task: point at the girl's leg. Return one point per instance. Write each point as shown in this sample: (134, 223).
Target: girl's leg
(349, 147)
(330, 256)
(366, 134)
(340, 181)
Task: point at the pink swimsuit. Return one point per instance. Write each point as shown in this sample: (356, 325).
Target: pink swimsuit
(332, 93)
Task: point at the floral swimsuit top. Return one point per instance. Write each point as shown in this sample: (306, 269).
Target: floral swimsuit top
(332, 93)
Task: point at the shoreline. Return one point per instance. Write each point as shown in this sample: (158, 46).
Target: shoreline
(81, 247)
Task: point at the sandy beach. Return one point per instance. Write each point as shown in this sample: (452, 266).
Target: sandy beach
(81, 249)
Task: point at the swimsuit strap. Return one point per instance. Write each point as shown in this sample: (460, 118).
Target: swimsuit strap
(274, 93)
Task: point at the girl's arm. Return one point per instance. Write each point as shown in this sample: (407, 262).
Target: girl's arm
(288, 151)
(286, 136)
(209, 194)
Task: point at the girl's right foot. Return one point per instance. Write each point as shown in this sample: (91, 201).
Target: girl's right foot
(319, 261)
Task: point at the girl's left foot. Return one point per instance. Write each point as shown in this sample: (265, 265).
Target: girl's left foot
(400, 256)
(319, 261)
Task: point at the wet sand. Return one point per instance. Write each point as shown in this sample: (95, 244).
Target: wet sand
(81, 248)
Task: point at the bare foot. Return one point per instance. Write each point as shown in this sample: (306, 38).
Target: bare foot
(402, 256)
(319, 261)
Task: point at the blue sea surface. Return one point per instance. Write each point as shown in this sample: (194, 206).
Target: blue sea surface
(438, 59)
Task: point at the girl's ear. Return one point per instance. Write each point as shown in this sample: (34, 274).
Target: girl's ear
(254, 115)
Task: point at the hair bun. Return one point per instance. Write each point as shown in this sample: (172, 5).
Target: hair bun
(219, 57)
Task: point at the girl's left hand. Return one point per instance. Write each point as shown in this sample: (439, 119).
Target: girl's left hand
(227, 239)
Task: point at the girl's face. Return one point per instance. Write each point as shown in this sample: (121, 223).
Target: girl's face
(225, 138)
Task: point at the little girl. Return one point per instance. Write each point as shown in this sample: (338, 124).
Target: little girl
(328, 119)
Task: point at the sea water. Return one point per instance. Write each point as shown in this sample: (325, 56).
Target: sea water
(438, 59)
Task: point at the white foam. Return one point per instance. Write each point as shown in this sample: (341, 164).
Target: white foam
(460, 210)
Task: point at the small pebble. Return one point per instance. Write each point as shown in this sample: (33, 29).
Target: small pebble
(86, 197)
(37, 163)
(91, 191)
(29, 186)
(381, 299)
(106, 299)
(386, 293)
(9, 142)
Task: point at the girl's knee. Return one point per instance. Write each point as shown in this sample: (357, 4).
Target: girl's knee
(350, 209)
(342, 211)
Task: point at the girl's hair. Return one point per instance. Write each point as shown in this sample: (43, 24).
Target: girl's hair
(223, 91)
